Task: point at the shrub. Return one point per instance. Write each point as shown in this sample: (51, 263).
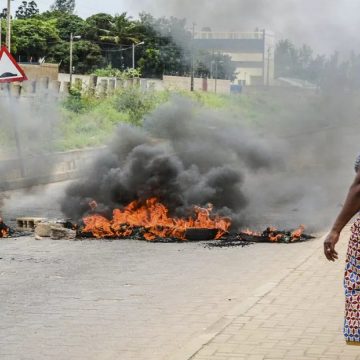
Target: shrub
(111, 72)
(136, 103)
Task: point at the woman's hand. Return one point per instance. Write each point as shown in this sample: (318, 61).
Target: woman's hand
(329, 245)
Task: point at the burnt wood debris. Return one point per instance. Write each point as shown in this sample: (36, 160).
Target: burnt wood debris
(230, 239)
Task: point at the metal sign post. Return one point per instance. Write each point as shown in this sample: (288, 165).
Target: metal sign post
(10, 71)
(8, 31)
(18, 147)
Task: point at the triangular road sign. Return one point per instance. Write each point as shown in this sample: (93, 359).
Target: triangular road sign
(9, 69)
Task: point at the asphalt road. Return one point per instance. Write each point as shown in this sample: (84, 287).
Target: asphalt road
(124, 299)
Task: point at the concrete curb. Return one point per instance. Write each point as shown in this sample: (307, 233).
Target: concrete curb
(24, 183)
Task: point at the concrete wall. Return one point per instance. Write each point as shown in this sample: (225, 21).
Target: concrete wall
(36, 72)
(44, 169)
(155, 84)
(200, 84)
(168, 82)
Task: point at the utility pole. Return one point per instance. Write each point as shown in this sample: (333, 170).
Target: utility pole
(192, 58)
(133, 52)
(72, 37)
(133, 56)
(268, 67)
(8, 32)
(217, 62)
(264, 56)
(211, 64)
(0, 31)
(71, 57)
(216, 75)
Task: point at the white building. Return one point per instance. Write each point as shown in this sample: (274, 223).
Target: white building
(252, 53)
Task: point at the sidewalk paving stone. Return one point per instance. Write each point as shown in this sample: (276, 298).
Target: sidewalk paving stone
(300, 318)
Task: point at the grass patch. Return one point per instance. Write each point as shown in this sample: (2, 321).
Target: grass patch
(90, 121)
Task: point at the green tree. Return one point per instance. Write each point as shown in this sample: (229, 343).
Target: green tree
(216, 66)
(151, 63)
(166, 46)
(286, 59)
(86, 56)
(116, 40)
(298, 62)
(69, 23)
(27, 10)
(315, 68)
(121, 31)
(354, 71)
(32, 38)
(97, 25)
(64, 6)
(167, 50)
(335, 75)
(66, 23)
(3, 13)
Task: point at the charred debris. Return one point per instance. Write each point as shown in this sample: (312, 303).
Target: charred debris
(228, 239)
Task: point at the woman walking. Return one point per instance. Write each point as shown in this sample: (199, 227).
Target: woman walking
(352, 269)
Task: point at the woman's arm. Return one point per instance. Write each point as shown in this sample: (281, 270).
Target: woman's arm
(350, 208)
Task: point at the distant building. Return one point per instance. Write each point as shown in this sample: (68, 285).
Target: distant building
(252, 53)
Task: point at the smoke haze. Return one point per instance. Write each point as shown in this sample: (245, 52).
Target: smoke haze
(295, 167)
(183, 155)
(326, 25)
(35, 120)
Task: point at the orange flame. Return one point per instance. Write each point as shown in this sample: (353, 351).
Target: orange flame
(296, 234)
(250, 232)
(275, 238)
(4, 230)
(273, 235)
(4, 233)
(153, 217)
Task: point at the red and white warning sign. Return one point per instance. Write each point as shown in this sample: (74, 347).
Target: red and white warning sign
(9, 69)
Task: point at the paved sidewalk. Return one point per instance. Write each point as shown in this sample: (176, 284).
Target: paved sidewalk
(299, 318)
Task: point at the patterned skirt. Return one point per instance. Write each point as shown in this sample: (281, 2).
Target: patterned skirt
(352, 287)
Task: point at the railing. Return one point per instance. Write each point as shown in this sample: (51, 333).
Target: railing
(221, 35)
(101, 88)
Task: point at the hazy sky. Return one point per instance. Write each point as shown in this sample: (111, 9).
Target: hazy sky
(325, 24)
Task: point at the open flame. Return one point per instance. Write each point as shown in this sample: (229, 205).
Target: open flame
(154, 220)
(4, 229)
(250, 232)
(296, 234)
(272, 234)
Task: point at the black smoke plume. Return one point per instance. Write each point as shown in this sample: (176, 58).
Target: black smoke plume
(183, 155)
